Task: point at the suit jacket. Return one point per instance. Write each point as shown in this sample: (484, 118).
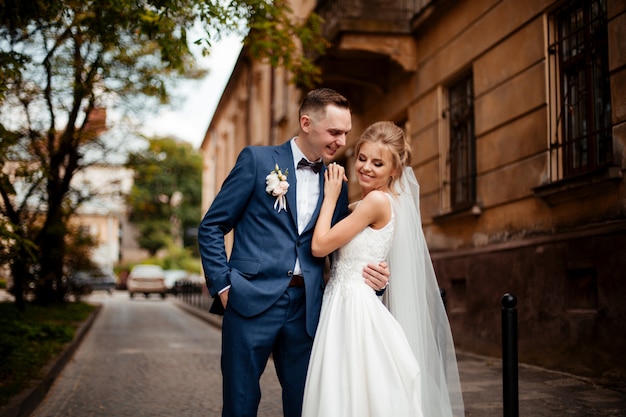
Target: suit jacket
(266, 242)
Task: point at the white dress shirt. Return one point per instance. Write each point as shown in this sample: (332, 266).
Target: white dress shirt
(307, 194)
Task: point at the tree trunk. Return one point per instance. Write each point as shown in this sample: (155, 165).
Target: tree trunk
(51, 245)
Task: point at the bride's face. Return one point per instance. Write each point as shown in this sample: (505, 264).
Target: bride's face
(374, 167)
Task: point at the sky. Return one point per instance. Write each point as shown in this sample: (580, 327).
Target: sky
(196, 100)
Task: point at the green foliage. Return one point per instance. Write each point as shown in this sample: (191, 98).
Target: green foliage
(30, 339)
(166, 194)
(79, 248)
(181, 258)
(175, 258)
(65, 63)
(268, 39)
(154, 235)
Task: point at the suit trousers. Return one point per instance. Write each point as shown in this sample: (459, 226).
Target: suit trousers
(247, 343)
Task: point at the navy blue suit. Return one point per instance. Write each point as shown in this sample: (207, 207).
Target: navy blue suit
(264, 315)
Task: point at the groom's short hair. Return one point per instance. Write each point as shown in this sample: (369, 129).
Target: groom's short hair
(317, 100)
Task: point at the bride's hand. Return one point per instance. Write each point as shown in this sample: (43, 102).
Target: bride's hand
(334, 177)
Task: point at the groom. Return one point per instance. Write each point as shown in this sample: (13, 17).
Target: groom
(270, 288)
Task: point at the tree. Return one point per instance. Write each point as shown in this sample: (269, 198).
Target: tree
(64, 64)
(166, 194)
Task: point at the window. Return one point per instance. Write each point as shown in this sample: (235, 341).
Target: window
(581, 133)
(461, 159)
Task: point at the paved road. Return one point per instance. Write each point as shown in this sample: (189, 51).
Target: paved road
(151, 358)
(146, 357)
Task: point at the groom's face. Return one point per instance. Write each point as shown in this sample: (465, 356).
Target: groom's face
(326, 132)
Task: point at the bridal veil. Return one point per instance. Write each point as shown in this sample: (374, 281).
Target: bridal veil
(414, 299)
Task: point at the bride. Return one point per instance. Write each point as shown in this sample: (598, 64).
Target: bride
(369, 359)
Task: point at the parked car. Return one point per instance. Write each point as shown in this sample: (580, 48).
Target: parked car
(146, 279)
(193, 283)
(85, 282)
(172, 276)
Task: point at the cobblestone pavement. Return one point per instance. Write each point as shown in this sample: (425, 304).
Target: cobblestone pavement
(542, 393)
(148, 357)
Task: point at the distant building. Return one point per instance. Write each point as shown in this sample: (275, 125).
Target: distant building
(517, 115)
(105, 215)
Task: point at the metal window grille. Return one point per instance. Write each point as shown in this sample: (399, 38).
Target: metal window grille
(462, 150)
(584, 114)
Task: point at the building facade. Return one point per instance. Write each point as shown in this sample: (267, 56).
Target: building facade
(104, 216)
(516, 111)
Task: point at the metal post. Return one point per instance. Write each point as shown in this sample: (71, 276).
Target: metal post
(509, 356)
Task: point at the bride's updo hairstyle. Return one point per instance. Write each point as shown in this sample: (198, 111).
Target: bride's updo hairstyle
(393, 137)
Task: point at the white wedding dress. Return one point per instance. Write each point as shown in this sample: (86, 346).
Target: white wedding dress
(361, 363)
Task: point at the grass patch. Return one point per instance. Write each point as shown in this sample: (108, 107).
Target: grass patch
(30, 339)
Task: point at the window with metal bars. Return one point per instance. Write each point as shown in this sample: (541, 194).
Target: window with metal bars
(462, 150)
(583, 139)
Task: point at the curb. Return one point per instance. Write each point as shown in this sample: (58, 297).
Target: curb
(24, 403)
(212, 319)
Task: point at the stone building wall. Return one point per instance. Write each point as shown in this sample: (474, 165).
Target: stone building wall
(556, 243)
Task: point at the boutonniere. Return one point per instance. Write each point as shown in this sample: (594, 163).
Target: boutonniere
(277, 185)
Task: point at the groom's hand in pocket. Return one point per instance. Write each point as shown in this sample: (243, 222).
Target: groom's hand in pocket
(224, 297)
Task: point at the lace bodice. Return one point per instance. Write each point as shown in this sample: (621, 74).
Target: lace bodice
(369, 246)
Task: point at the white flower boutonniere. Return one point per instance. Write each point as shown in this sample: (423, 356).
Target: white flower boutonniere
(277, 185)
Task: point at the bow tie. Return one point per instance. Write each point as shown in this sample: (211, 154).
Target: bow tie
(315, 166)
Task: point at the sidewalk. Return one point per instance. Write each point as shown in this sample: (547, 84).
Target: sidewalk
(542, 392)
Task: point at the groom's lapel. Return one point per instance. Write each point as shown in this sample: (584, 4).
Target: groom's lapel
(284, 159)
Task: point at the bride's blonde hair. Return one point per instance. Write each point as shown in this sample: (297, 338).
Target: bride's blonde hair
(393, 137)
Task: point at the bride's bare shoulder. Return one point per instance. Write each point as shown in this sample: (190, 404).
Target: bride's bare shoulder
(376, 197)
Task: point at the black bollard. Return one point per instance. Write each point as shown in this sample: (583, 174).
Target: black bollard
(509, 356)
